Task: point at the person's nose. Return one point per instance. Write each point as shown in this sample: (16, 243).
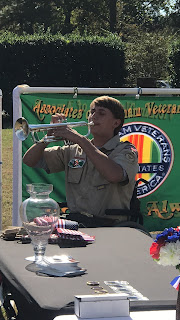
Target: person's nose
(94, 115)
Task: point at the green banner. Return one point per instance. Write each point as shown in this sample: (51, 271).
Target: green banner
(151, 124)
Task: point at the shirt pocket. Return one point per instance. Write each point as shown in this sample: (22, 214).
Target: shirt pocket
(74, 175)
(99, 181)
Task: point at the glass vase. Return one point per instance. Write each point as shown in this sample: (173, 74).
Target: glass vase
(39, 214)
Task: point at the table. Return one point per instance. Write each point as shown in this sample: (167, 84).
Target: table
(139, 315)
(117, 254)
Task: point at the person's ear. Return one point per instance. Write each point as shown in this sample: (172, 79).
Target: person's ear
(117, 123)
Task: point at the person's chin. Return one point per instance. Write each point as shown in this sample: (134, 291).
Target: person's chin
(94, 128)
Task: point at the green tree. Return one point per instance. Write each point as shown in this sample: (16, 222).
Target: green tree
(118, 16)
(67, 8)
(57, 15)
(146, 15)
(173, 19)
(147, 55)
(24, 15)
(94, 16)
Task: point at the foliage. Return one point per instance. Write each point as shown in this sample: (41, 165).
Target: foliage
(55, 60)
(60, 15)
(143, 14)
(173, 19)
(77, 15)
(175, 60)
(74, 33)
(147, 55)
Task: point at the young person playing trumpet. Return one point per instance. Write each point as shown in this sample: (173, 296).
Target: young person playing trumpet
(99, 174)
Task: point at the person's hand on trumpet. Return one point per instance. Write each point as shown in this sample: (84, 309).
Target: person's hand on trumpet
(65, 132)
(58, 118)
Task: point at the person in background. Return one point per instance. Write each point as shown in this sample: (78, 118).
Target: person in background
(99, 173)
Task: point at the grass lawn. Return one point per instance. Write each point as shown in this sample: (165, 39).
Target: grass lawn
(7, 177)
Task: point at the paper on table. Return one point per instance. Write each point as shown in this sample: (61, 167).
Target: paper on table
(61, 266)
(56, 273)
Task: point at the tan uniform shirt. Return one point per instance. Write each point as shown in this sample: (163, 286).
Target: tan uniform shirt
(86, 190)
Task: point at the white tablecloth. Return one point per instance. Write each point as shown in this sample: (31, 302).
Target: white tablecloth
(139, 315)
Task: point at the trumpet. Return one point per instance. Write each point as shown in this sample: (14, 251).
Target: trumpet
(23, 129)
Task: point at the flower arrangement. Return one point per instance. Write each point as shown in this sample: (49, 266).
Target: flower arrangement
(165, 250)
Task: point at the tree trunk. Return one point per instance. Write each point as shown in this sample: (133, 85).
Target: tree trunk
(67, 23)
(112, 15)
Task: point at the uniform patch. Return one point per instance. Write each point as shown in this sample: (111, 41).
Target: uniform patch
(76, 163)
(130, 157)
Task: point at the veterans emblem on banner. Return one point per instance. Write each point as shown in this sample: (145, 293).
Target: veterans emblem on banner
(155, 154)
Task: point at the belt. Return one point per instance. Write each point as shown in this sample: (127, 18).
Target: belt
(107, 218)
(91, 221)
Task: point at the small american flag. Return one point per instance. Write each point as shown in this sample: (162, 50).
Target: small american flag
(45, 220)
(67, 224)
(59, 223)
(73, 234)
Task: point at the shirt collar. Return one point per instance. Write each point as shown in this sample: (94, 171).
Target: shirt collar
(112, 143)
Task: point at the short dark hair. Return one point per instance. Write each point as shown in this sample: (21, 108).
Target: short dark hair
(114, 106)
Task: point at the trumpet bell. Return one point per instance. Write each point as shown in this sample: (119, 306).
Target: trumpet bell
(21, 129)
